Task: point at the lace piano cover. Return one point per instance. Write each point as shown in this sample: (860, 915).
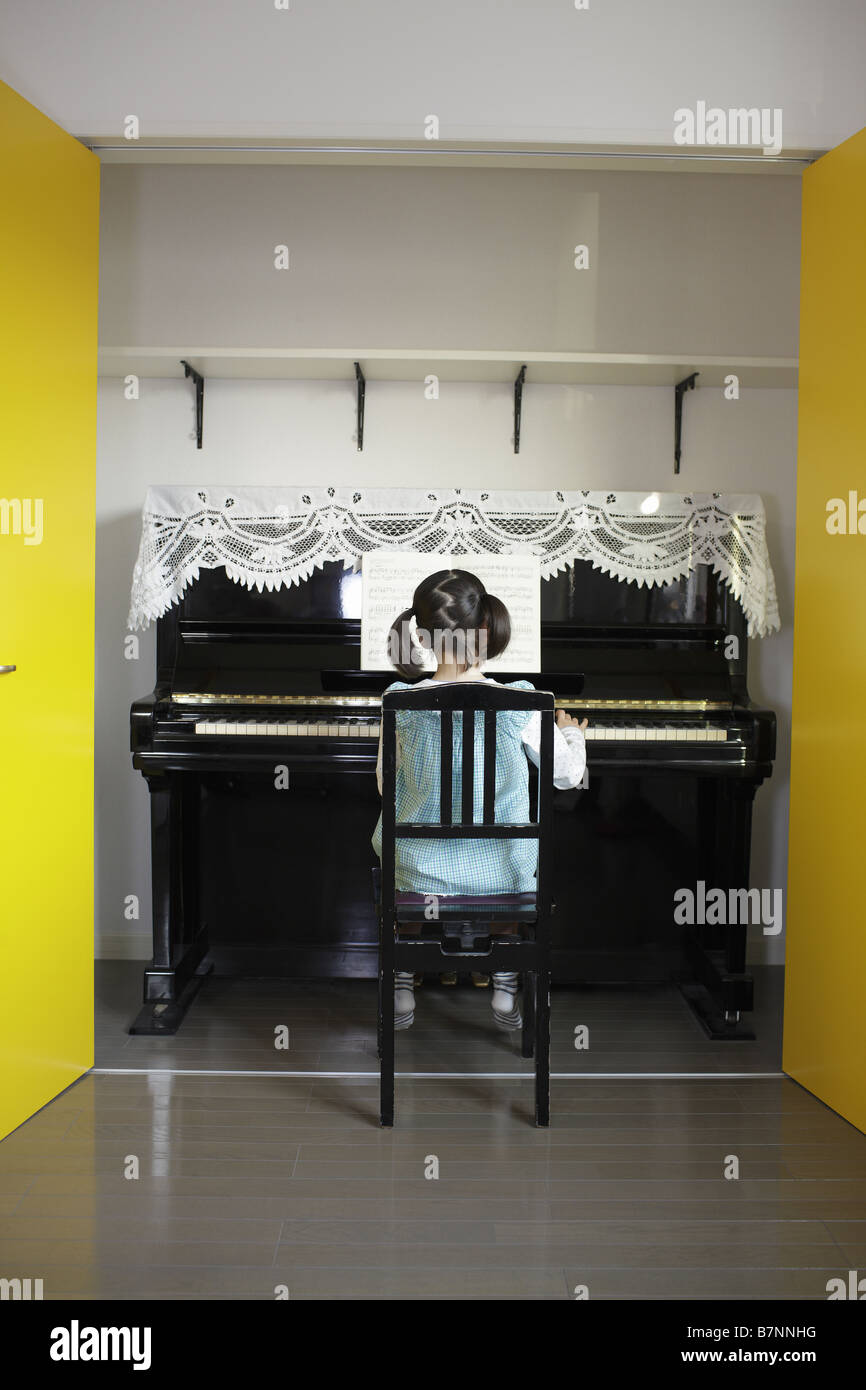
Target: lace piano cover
(270, 536)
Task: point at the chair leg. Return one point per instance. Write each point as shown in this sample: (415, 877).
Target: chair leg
(542, 1048)
(379, 1017)
(527, 1039)
(386, 1054)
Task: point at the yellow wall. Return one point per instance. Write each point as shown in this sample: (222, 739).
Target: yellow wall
(825, 995)
(48, 337)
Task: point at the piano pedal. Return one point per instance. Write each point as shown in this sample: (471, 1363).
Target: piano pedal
(449, 977)
(479, 980)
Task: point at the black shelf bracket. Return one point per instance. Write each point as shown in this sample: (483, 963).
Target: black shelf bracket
(361, 388)
(687, 384)
(199, 399)
(518, 405)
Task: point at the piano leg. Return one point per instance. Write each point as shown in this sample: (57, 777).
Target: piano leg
(722, 990)
(180, 944)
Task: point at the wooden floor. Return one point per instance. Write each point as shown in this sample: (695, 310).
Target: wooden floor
(332, 1028)
(248, 1183)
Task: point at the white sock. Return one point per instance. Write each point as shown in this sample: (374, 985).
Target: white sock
(404, 997)
(503, 1001)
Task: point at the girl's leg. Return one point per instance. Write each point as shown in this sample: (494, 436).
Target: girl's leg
(404, 998)
(404, 988)
(504, 1001)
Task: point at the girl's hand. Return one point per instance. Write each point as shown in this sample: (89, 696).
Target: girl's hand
(563, 719)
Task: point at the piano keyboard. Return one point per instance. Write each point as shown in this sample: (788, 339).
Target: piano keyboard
(312, 728)
(637, 732)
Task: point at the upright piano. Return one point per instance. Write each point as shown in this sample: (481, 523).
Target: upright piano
(258, 746)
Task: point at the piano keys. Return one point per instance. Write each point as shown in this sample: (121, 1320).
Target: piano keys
(251, 879)
(602, 730)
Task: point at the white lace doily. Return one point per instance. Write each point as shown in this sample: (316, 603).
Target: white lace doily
(265, 537)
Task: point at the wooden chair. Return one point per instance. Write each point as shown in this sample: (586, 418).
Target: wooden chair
(457, 933)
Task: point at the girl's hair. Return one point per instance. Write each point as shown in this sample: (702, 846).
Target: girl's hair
(453, 608)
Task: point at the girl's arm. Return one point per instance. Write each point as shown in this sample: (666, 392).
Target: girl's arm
(379, 760)
(569, 750)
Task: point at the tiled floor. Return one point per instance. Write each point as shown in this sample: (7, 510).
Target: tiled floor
(332, 1028)
(246, 1184)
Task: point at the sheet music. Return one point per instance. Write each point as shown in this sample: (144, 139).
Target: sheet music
(390, 577)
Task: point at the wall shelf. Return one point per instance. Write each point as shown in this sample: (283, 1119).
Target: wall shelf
(413, 364)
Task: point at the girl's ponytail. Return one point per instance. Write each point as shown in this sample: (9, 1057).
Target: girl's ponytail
(498, 623)
(404, 654)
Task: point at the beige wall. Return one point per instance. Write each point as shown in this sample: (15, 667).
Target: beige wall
(390, 258)
(450, 258)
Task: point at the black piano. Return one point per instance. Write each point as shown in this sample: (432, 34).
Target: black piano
(258, 745)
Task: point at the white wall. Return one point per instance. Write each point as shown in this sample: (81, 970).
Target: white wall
(513, 70)
(686, 262)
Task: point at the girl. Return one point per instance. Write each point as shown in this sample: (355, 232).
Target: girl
(454, 617)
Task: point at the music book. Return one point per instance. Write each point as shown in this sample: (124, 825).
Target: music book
(390, 577)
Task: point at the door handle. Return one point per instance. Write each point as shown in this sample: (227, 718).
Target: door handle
(6, 670)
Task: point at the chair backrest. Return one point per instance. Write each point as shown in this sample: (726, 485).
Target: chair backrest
(467, 697)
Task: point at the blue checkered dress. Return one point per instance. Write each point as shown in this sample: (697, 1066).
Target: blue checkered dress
(461, 866)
